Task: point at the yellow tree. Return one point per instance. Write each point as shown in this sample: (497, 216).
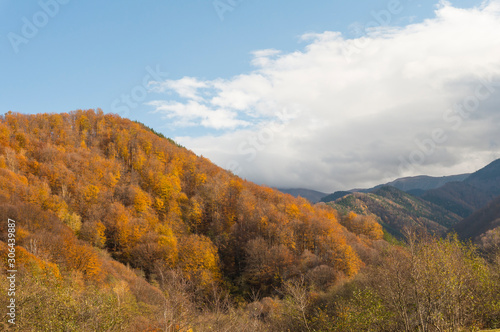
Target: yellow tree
(199, 260)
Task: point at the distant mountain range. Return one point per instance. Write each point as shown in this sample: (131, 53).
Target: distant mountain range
(415, 185)
(423, 182)
(312, 195)
(466, 203)
(395, 209)
(473, 193)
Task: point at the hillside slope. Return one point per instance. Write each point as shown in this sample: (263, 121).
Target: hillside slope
(463, 198)
(396, 210)
(480, 221)
(487, 179)
(89, 190)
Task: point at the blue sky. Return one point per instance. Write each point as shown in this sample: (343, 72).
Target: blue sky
(89, 54)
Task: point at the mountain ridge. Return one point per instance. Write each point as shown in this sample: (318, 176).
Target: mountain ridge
(396, 210)
(94, 194)
(406, 184)
(473, 193)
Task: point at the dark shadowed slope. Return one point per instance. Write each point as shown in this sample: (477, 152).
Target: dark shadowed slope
(463, 198)
(480, 221)
(487, 179)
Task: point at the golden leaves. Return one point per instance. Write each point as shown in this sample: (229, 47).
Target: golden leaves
(91, 193)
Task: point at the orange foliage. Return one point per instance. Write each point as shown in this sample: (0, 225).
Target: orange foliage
(366, 225)
(149, 201)
(28, 261)
(198, 259)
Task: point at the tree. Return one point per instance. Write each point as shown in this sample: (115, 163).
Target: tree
(93, 233)
(365, 225)
(437, 284)
(198, 260)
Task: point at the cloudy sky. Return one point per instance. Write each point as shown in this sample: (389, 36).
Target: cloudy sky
(361, 96)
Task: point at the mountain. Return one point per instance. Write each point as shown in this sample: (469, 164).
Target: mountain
(436, 203)
(487, 179)
(336, 195)
(473, 193)
(119, 228)
(312, 196)
(424, 182)
(415, 185)
(480, 221)
(396, 210)
(458, 197)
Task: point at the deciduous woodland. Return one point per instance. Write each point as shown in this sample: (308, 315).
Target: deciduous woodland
(121, 229)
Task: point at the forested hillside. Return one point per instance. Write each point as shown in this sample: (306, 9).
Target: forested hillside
(397, 210)
(120, 229)
(87, 189)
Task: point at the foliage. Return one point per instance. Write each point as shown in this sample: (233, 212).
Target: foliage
(395, 210)
(86, 183)
(119, 229)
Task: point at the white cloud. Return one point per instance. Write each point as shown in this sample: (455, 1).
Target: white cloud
(262, 58)
(193, 113)
(186, 87)
(356, 107)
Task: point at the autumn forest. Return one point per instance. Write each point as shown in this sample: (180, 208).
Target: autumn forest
(121, 229)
